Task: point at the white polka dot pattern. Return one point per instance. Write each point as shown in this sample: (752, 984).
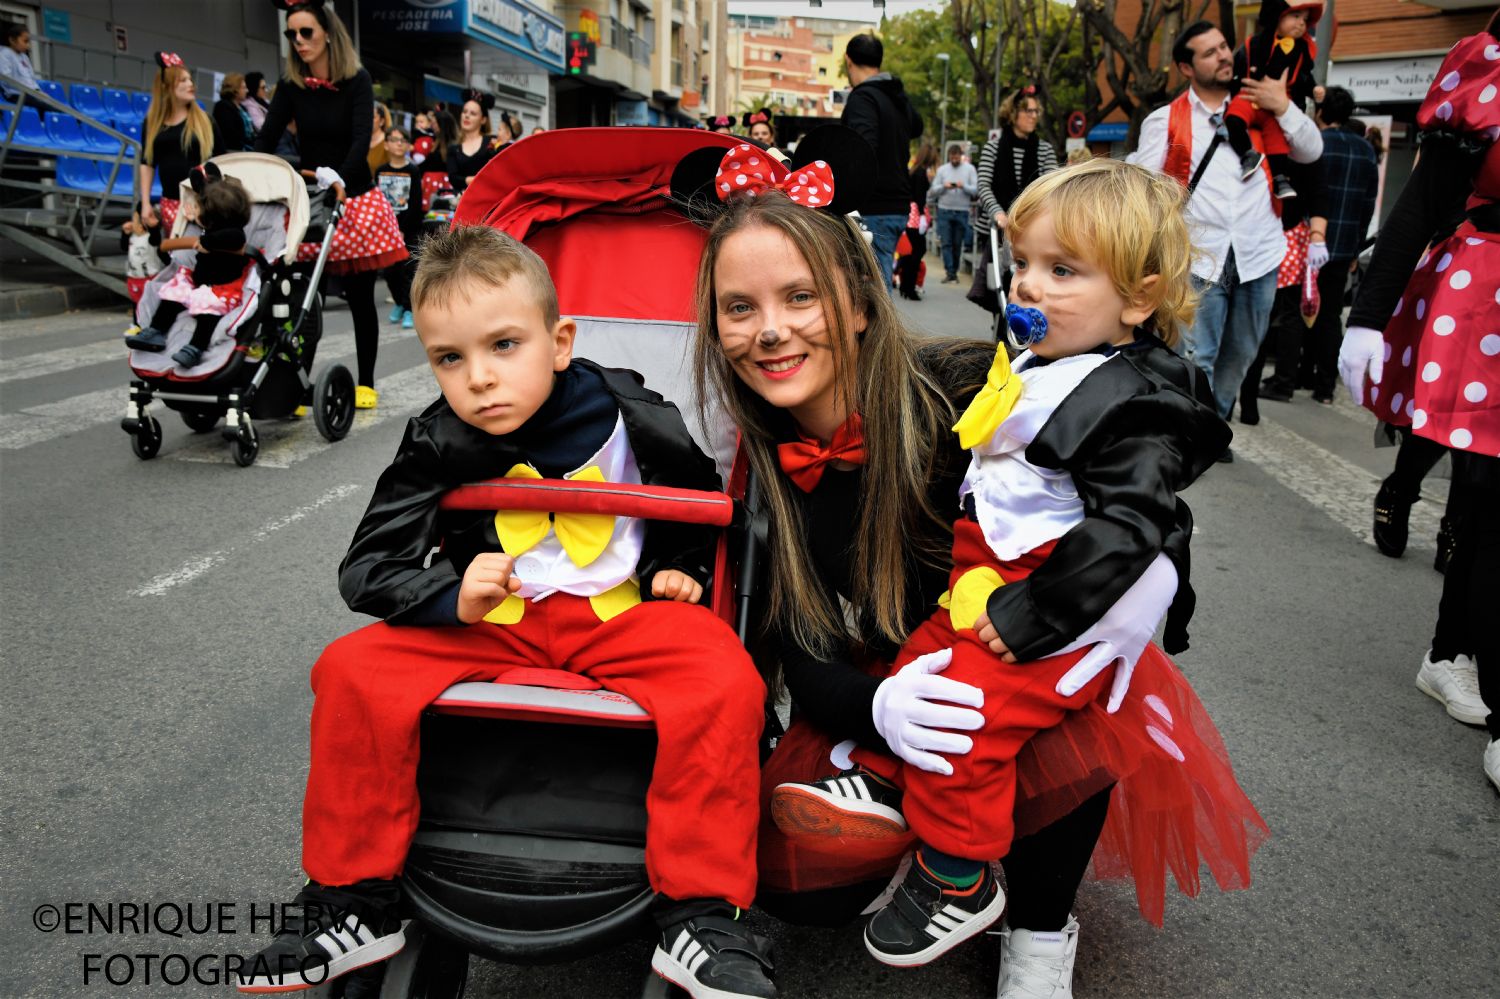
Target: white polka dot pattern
(367, 237)
(811, 186)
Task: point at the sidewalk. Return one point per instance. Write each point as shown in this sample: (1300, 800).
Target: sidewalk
(31, 287)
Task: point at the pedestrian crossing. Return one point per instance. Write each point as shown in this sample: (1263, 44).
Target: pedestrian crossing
(1341, 489)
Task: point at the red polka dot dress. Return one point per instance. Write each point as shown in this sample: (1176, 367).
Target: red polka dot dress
(367, 238)
(1442, 344)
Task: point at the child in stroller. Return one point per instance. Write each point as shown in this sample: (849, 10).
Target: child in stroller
(213, 286)
(523, 589)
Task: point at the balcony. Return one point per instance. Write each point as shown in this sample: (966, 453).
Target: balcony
(632, 45)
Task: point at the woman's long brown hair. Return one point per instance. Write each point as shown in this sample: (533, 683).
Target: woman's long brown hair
(197, 127)
(905, 415)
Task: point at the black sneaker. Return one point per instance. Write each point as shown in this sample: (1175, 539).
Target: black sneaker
(1276, 390)
(188, 356)
(1249, 163)
(328, 932)
(1284, 188)
(147, 339)
(853, 804)
(926, 917)
(1391, 520)
(715, 957)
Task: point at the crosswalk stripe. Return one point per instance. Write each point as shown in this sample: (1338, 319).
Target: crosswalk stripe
(49, 420)
(1340, 488)
(49, 362)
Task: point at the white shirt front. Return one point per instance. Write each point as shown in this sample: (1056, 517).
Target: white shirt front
(1019, 505)
(545, 569)
(1226, 212)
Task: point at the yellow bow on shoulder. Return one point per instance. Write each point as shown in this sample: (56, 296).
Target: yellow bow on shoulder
(583, 536)
(1002, 387)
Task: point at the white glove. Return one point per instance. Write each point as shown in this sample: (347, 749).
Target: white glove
(1120, 636)
(910, 718)
(327, 177)
(1362, 352)
(1317, 255)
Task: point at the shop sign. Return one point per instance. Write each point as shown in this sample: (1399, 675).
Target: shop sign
(631, 113)
(588, 23)
(1382, 81)
(429, 17)
(520, 27)
(57, 25)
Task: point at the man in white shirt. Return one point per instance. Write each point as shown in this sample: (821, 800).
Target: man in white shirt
(1234, 225)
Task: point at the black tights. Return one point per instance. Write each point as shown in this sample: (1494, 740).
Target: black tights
(1043, 870)
(1414, 459)
(203, 330)
(359, 292)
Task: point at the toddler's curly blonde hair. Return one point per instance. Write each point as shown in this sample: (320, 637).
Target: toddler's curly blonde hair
(1127, 220)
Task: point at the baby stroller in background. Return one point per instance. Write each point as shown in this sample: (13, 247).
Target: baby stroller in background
(257, 364)
(533, 851)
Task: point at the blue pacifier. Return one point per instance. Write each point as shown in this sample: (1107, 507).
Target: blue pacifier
(1024, 326)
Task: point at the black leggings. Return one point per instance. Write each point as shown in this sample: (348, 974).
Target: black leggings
(1467, 609)
(1414, 459)
(203, 330)
(359, 292)
(1043, 870)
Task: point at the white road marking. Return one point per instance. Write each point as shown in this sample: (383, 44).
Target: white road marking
(49, 362)
(200, 564)
(1339, 488)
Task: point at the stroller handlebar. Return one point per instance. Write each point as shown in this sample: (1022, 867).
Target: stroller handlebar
(688, 506)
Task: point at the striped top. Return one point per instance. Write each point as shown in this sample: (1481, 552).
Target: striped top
(1046, 161)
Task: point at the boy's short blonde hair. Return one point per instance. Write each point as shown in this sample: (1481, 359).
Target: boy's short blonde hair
(449, 263)
(1127, 220)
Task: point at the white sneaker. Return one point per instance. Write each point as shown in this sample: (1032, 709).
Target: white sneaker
(1036, 965)
(1492, 762)
(1455, 682)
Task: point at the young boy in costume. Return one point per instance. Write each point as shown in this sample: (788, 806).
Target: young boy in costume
(521, 589)
(1282, 44)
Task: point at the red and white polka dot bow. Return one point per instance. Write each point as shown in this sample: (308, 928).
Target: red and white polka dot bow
(165, 59)
(750, 169)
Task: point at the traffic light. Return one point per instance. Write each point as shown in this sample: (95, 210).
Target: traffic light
(580, 53)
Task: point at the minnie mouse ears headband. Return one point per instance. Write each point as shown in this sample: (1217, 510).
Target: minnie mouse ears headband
(168, 59)
(200, 177)
(755, 117)
(291, 5)
(484, 100)
(721, 121)
(833, 169)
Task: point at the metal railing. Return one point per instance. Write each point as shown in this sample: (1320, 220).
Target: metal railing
(83, 211)
(630, 42)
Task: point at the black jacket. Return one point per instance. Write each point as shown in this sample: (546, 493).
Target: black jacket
(881, 113)
(383, 573)
(333, 127)
(1140, 428)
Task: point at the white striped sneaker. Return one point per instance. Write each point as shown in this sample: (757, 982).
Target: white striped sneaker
(849, 805)
(715, 957)
(327, 933)
(926, 917)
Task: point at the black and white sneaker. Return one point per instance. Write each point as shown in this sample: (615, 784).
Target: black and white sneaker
(926, 917)
(328, 932)
(852, 804)
(1284, 188)
(715, 957)
(1250, 163)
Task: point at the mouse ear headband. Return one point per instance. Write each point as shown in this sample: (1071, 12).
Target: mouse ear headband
(755, 117)
(291, 5)
(721, 121)
(484, 100)
(166, 60)
(833, 169)
(201, 176)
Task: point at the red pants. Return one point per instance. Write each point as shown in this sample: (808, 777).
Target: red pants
(678, 661)
(970, 812)
(1273, 138)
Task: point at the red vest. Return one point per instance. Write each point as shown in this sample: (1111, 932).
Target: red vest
(1179, 158)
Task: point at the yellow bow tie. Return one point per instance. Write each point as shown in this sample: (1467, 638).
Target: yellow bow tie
(1285, 44)
(1002, 387)
(583, 536)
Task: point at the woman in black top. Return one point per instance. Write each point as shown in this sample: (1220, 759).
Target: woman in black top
(472, 151)
(178, 136)
(327, 93)
(230, 116)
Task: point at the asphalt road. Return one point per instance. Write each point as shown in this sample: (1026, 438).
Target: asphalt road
(160, 618)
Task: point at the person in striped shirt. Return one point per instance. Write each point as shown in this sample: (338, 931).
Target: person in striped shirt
(1014, 159)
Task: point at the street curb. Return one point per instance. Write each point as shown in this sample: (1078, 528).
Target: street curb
(50, 300)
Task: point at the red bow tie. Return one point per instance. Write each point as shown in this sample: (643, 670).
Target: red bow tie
(803, 460)
(315, 83)
(749, 168)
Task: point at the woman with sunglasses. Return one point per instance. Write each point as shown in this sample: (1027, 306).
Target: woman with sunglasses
(328, 95)
(1007, 164)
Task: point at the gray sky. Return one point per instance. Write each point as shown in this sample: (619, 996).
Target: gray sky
(846, 10)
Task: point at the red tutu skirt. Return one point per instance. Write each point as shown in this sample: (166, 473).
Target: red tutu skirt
(1442, 363)
(367, 238)
(1176, 806)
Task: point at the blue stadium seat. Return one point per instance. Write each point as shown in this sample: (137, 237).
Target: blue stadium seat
(119, 106)
(141, 103)
(124, 183)
(130, 128)
(87, 99)
(64, 132)
(53, 89)
(100, 142)
(29, 130)
(79, 175)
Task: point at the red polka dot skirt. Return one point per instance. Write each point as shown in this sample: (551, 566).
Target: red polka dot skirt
(367, 237)
(1294, 264)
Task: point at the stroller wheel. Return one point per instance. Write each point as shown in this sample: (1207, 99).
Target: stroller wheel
(333, 402)
(428, 967)
(201, 421)
(246, 446)
(146, 440)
